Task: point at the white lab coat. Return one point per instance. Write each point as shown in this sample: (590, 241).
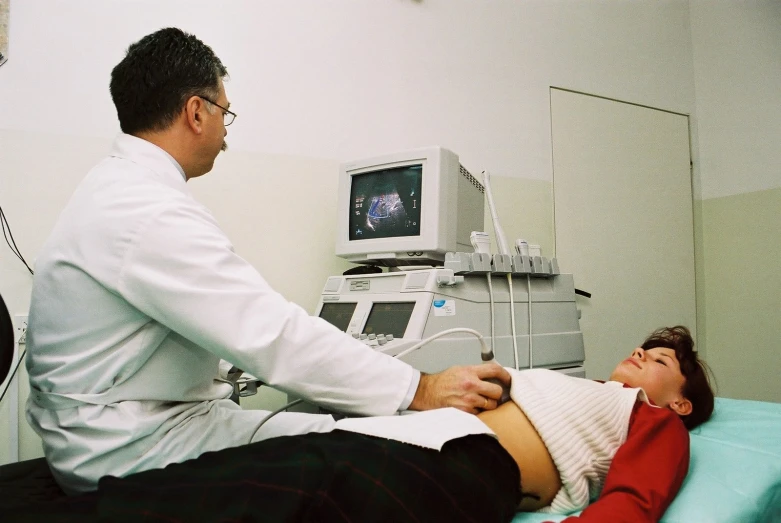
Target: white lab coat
(137, 296)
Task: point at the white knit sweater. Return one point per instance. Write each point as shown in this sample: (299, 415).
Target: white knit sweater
(582, 422)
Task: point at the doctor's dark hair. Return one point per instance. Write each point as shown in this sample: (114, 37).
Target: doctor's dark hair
(158, 74)
(697, 388)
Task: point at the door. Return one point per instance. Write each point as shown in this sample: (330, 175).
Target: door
(623, 220)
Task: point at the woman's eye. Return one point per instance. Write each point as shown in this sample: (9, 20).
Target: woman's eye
(662, 362)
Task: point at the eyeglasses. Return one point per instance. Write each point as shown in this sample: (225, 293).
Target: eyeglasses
(228, 116)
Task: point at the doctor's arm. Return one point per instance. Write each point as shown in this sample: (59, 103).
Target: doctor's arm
(183, 273)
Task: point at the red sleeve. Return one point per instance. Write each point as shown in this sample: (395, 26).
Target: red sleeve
(647, 471)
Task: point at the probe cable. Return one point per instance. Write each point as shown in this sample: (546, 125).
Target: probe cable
(512, 320)
(491, 303)
(280, 409)
(486, 354)
(529, 296)
(12, 243)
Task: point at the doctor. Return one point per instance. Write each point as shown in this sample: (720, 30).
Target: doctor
(138, 295)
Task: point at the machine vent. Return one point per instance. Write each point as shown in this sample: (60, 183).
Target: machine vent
(474, 181)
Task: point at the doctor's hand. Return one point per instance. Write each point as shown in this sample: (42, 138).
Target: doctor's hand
(462, 387)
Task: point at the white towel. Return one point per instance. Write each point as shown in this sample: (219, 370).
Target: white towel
(430, 429)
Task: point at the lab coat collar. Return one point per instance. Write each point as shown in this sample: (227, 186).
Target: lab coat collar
(148, 155)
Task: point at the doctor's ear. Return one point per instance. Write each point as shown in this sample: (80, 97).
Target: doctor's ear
(681, 406)
(193, 111)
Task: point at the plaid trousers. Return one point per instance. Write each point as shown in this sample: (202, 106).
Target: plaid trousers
(318, 477)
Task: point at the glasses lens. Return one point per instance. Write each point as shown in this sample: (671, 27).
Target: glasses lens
(228, 118)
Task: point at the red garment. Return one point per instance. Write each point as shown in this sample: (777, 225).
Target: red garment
(646, 472)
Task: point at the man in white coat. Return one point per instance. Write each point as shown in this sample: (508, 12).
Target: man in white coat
(138, 295)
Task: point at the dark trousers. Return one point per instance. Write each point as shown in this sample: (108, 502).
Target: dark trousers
(338, 476)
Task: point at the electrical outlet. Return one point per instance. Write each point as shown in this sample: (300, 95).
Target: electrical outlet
(20, 328)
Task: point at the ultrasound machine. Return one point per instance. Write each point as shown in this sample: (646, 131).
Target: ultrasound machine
(427, 288)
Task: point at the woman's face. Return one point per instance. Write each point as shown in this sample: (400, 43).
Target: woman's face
(658, 372)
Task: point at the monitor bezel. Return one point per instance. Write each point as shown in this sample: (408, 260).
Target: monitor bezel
(439, 193)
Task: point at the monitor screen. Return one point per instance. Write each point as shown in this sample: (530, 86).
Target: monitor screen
(407, 208)
(338, 314)
(389, 318)
(386, 203)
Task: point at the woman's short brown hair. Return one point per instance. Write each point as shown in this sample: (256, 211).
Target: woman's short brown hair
(697, 388)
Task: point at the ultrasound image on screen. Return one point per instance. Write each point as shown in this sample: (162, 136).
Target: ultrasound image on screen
(389, 318)
(386, 203)
(338, 314)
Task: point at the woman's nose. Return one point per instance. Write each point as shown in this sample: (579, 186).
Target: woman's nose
(638, 353)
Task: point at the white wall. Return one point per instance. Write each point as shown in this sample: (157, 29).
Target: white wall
(323, 81)
(341, 79)
(737, 68)
(346, 78)
(737, 57)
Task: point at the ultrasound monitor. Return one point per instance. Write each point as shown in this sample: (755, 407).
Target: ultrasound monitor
(407, 208)
(386, 203)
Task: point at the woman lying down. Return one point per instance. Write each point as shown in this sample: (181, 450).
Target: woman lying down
(561, 443)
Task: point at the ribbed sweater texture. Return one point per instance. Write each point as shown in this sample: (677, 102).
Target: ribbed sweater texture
(582, 423)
